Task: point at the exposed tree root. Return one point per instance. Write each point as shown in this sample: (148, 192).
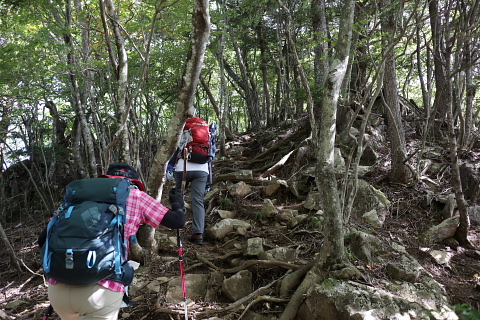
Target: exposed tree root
(278, 165)
(237, 304)
(259, 299)
(292, 280)
(205, 261)
(303, 131)
(297, 298)
(262, 263)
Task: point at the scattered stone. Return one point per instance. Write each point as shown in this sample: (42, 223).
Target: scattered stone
(240, 189)
(242, 175)
(254, 247)
(197, 287)
(296, 220)
(225, 226)
(275, 186)
(269, 208)
(441, 257)
(444, 230)
(224, 214)
(238, 286)
(371, 218)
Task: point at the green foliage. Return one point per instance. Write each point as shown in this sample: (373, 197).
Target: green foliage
(329, 283)
(314, 223)
(225, 202)
(259, 216)
(466, 312)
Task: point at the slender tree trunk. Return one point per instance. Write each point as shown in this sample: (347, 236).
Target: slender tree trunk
(251, 95)
(470, 22)
(10, 250)
(86, 164)
(462, 231)
(121, 139)
(323, 134)
(264, 67)
(224, 97)
(6, 108)
(214, 103)
(440, 55)
(184, 110)
(320, 31)
(399, 171)
(190, 79)
(423, 77)
(333, 249)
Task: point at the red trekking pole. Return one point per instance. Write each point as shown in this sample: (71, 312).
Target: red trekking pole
(182, 271)
(179, 239)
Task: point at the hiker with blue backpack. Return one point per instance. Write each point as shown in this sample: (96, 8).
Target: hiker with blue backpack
(192, 165)
(85, 245)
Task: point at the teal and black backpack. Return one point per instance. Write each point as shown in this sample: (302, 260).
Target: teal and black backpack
(85, 242)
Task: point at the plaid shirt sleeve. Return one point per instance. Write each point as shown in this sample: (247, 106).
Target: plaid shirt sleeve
(141, 209)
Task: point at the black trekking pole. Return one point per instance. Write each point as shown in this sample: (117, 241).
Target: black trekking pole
(48, 312)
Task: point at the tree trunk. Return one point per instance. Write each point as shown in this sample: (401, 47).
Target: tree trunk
(10, 250)
(6, 108)
(184, 110)
(267, 100)
(470, 22)
(122, 112)
(214, 103)
(399, 171)
(85, 163)
(224, 97)
(442, 94)
(324, 137)
(320, 31)
(251, 95)
(323, 133)
(462, 231)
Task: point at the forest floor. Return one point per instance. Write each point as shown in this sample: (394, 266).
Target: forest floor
(24, 295)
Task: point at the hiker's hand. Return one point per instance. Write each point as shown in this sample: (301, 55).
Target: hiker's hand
(177, 206)
(174, 219)
(170, 175)
(176, 196)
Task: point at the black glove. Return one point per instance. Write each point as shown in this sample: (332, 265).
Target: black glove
(175, 196)
(174, 219)
(177, 206)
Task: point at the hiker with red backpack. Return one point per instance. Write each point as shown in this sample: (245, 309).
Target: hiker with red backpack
(89, 283)
(192, 163)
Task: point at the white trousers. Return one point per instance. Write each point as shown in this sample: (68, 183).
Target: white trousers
(84, 302)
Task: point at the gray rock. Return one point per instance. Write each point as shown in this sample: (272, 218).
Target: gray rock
(197, 287)
(444, 230)
(339, 299)
(238, 286)
(242, 175)
(225, 226)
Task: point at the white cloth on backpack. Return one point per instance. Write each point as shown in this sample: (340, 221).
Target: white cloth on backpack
(191, 166)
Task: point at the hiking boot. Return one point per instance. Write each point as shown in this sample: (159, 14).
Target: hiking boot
(196, 238)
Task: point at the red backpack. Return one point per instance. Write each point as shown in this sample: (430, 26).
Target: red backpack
(196, 139)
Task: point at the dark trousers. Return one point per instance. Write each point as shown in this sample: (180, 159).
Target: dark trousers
(197, 181)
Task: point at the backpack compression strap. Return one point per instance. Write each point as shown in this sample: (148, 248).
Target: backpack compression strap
(47, 255)
(118, 222)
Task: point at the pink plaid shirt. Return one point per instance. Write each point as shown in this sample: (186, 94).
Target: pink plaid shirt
(141, 209)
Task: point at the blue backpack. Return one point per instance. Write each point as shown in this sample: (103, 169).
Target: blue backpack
(85, 242)
(212, 153)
